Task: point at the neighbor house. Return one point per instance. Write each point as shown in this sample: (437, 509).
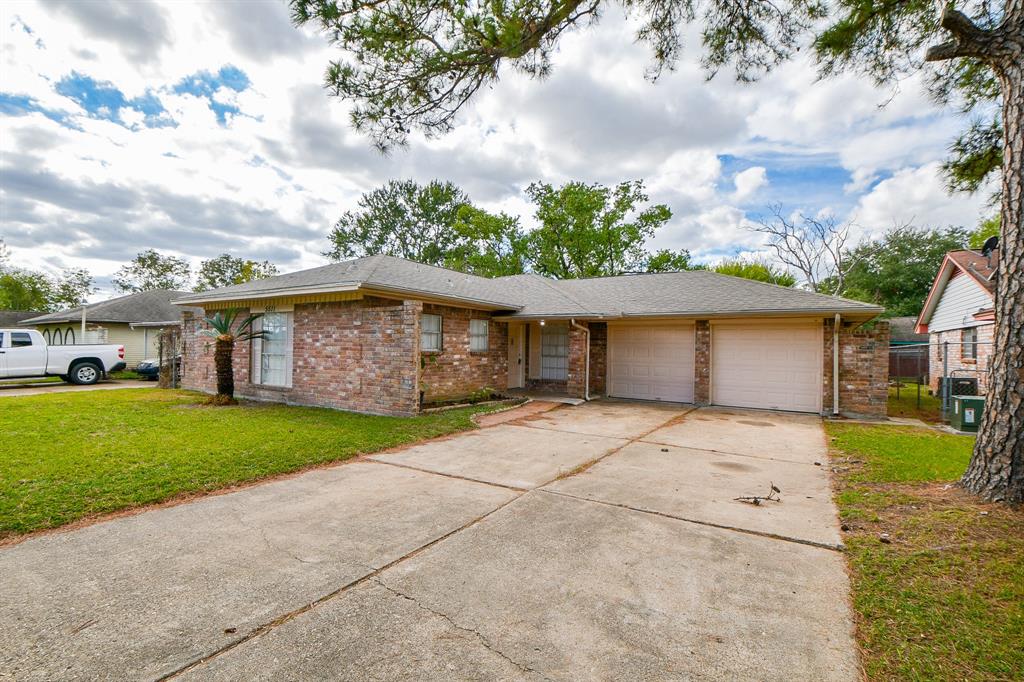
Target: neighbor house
(389, 336)
(12, 318)
(959, 316)
(135, 321)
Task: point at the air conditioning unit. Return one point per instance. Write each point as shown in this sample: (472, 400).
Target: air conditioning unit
(959, 385)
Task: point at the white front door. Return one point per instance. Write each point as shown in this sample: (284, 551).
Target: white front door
(516, 363)
(772, 365)
(651, 362)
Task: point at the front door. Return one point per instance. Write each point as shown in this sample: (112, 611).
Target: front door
(515, 354)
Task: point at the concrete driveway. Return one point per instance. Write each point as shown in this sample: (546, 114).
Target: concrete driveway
(14, 389)
(591, 542)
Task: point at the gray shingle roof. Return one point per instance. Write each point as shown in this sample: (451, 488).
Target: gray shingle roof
(689, 293)
(10, 318)
(147, 306)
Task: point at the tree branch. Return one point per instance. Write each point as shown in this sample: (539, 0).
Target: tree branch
(968, 39)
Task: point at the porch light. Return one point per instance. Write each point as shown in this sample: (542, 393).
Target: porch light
(542, 323)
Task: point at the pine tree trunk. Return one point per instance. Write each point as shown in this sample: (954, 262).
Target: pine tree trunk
(996, 471)
(223, 355)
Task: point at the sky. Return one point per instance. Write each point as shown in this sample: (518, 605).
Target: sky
(202, 128)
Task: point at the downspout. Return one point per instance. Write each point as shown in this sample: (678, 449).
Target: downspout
(835, 365)
(586, 369)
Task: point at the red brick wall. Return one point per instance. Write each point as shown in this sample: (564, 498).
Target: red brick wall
(964, 366)
(702, 363)
(598, 357)
(863, 369)
(356, 355)
(576, 373)
(455, 371)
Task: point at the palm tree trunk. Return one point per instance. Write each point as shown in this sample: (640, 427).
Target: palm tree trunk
(222, 357)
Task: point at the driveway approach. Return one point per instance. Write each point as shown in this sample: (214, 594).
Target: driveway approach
(593, 542)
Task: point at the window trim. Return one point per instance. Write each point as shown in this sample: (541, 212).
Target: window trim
(483, 340)
(969, 349)
(439, 334)
(256, 352)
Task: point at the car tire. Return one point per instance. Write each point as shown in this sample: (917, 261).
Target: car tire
(85, 374)
(64, 378)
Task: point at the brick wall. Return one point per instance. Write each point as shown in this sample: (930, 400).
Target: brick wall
(863, 369)
(702, 363)
(576, 374)
(598, 358)
(356, 355)
(455, 371)
(964, 366)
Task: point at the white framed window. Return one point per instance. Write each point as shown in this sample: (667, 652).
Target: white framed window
(478, 330)
(969, 341)
(272, 354)
(430, 333)
(554, 352)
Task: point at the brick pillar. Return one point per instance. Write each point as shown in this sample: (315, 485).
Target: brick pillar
(702, 364)
(577, 370)
(407, 366)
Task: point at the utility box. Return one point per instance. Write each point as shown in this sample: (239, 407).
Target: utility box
(966, 413)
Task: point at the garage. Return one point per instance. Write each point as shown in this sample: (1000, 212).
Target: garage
(651, 362)
(771, 365)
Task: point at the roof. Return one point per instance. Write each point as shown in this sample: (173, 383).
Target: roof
(145, 307)
(9, 318)
(686, 294)
(901, 330)
(980, 268)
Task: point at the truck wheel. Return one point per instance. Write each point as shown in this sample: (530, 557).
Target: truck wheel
(85, 373)
(63, 377)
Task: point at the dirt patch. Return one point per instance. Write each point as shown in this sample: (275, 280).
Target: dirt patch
(733, 466)
(528, 412)
(753, 423)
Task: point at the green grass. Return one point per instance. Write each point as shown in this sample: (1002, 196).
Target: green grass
(906, 405)
(66, 456)
(125, 374)
(945, 599)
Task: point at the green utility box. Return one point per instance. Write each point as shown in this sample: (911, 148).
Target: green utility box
(966, 414)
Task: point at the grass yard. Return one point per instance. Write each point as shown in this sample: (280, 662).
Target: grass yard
(906, 405)
(944, 600)
(66, 456)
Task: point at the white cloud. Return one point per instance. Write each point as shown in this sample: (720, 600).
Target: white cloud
(749, 181)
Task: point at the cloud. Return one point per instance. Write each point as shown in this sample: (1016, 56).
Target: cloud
(138, 27)
(749, 181)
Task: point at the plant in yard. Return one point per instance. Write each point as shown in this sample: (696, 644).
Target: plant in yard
(222, 329)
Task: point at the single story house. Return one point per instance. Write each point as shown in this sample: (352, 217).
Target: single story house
(134, 321)
(386, 335)
(12, 318)
(959, 316)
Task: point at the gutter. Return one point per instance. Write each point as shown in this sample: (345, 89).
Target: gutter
(835, 365)
(586, 369)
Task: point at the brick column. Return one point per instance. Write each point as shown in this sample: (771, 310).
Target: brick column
(577, 370)
(702, 364)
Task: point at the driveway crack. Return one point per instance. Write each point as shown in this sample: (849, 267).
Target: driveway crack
(482, 638)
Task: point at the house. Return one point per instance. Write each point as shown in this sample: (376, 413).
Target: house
(134, 320)
(386, 335)
(12, 318)
(908, 350)
(959, 316)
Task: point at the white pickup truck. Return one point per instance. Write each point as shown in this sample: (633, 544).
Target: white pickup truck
(24, 354)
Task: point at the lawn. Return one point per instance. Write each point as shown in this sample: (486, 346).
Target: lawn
(944, 599)
(67, 456)
(906, 405)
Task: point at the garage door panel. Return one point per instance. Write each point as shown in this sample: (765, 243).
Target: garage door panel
(651, 362)
(767, 366)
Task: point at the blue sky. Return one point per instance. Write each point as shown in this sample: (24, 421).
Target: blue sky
(199, 128)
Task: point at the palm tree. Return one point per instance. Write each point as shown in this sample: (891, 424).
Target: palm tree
(221, 325)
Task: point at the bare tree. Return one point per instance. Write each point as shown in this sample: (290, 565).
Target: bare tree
(814, 247)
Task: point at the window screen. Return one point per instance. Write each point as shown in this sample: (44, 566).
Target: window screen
(430, 332)
(970, 343)
(554, 352)
(478, 335)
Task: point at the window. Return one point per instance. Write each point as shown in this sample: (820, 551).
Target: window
(969, 341)
(20, 339)
(272, 354)
(554, 352)
(69, 336)
(1, 339)
(430, 333)
(478, 335)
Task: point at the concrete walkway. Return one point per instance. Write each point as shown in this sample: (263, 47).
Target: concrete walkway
(591, 542)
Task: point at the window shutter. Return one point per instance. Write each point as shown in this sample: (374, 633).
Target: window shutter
(534, 350)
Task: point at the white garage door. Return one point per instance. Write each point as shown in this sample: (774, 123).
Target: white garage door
(651, 362)
(774, 366)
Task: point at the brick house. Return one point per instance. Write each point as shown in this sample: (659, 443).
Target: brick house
(959, 317)
(388, 336)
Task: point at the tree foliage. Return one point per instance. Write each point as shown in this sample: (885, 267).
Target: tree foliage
(150, 270)
(226, 270)
(489, 244)
(23, 289)
(987, 228)
(897, 270)
(757, 270)
(402, 219)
